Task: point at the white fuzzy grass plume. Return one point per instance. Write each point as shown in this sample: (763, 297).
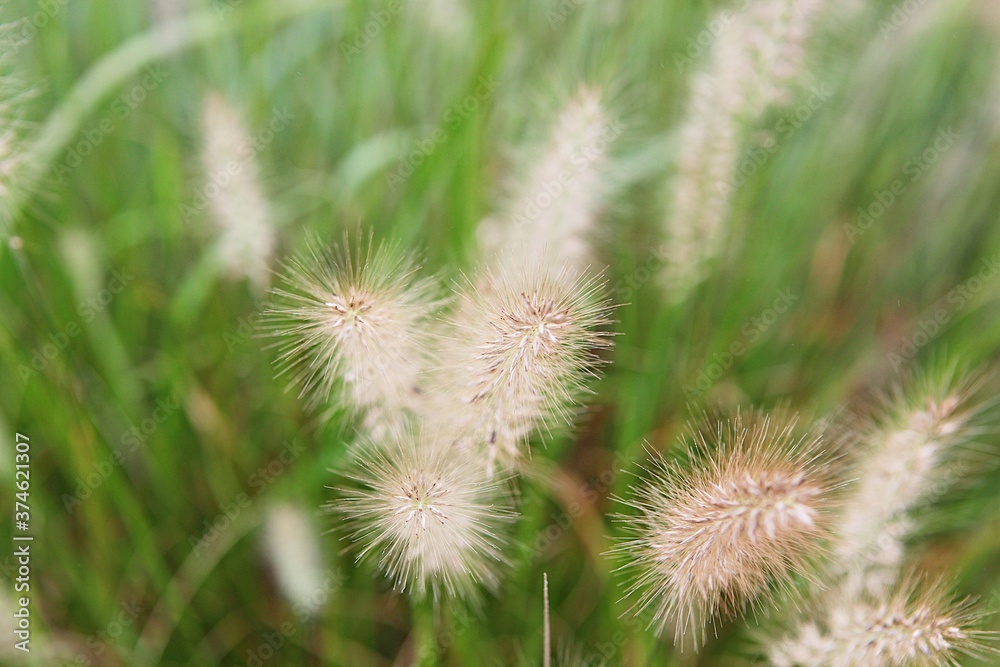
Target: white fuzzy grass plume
(518, 352)
(754, 63)
(9, 154)
(911, 625)
(431, 520)
(714, 534)
(292, 549)
(448, 20)
(354, 324)
(11, 157)
(239, 208)
(552, 212)
(901, 466)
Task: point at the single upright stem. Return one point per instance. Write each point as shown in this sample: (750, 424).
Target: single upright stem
(425, 634)
(547, 658)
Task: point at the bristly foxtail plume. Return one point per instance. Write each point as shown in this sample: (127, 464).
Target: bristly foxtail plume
(431, 520)
(13, 158)
(559, 197)
(753, 64)
(518, 352)
(719, 532)
(450, 21)
(356, 321)
(239, 208)
(292, 548)
(905, 460)
(911, 625)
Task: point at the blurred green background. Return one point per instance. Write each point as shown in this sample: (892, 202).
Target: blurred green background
(174, 353)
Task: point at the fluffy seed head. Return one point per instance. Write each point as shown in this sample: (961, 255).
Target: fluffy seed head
(359, 322)
(293, 551)
(519, 350)
(13, 160)
(712, 534)
(431, 519)
(902, 463)
(910, 626)
(10, 163)
(557, 201)
(246, 233)
(754, 62)
(447, 20)
(9, 153)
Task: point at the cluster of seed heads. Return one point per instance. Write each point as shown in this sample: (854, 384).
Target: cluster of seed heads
(451, 388)
(449, 391)
(753, 510)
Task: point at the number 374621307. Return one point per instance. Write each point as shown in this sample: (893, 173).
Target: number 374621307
(22, 480)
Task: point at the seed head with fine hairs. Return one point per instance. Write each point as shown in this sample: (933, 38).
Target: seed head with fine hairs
(10, 163)
(912, 625)
(13, 94)
(246, 233)
(355, 321)
(752, 65)
(551, 214)
(905, 458)
(519, 350)
(716, 533)
(432, 520)
(292, 547)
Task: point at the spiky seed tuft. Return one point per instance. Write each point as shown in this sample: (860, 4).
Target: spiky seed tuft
(358, 322)
(906, 456)
(246, 233)
(552, 212)
(520, 349)
(746, 512)
(753, 65)
(15, 162)
(432, 520)
(292, 547)
(912, 625)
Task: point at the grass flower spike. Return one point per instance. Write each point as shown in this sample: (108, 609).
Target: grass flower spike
(871, 612)
(292, 547)
(558, 200)
(13, 94)
(358, 322)
(10, 155)
(247, 236)
(901, 464)
(910, 626)
(432, 520)
(747, 512)
(520, 350)
(752, 66)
